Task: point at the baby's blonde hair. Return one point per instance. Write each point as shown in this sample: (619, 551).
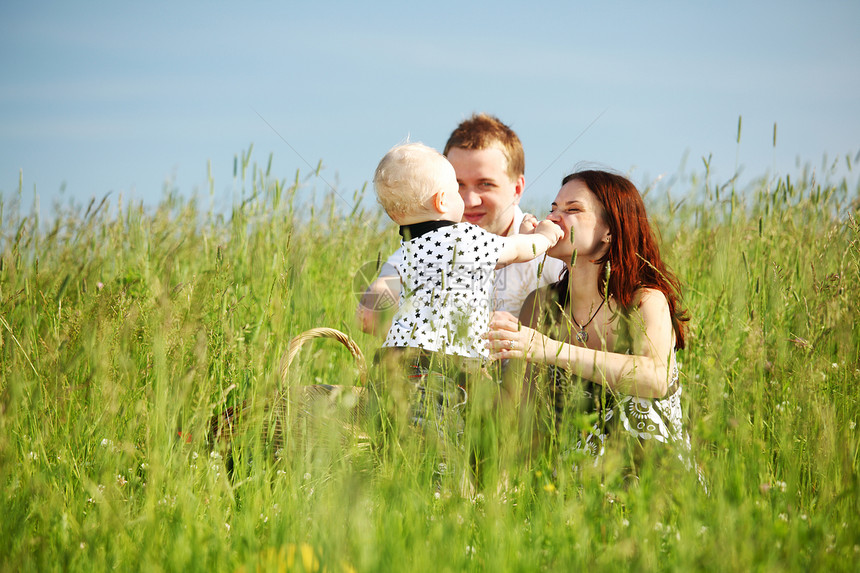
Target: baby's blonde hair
(408, 177)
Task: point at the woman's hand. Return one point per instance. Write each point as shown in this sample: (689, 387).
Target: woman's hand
(507, 338)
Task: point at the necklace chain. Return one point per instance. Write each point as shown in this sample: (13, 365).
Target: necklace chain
(582, 336)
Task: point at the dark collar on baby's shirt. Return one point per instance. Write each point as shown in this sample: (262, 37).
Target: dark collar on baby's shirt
(409, 232)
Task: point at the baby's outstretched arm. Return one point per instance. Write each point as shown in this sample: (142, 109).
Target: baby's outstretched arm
(525, 247)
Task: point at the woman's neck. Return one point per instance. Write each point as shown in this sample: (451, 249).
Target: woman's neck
(582, 284)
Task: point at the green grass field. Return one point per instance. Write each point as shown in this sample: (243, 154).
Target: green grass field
(121, 327)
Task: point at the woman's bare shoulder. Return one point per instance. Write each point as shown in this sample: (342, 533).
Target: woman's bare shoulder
(651, 306)
(545, 292)
(537, 304)
(649, 297)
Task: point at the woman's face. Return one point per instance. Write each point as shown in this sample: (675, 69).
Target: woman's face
(581, 216)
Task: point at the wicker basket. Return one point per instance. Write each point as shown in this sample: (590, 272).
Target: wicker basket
(298, 341)
(303, 412)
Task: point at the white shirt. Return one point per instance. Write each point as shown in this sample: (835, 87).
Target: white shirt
(513, 283)
(446, 284)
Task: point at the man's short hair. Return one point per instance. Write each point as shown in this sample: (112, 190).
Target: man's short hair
(408, 177)
(484, 131)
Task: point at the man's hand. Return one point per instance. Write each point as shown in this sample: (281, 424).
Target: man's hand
(527, 227)
(378, 304)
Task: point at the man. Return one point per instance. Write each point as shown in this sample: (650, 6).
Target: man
(489, 163)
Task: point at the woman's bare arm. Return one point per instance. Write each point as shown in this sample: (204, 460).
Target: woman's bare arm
(645, 373)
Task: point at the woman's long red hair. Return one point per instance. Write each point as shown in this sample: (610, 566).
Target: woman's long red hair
(633, 255)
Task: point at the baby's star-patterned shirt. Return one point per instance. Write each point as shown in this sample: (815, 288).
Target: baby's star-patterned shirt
(446, 299)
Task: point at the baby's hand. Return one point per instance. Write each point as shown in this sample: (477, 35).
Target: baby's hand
(549, 230)
(527, 227)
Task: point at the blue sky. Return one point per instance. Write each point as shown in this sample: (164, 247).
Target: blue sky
(115, 97)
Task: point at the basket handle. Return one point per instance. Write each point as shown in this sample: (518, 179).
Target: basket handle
(323, 332)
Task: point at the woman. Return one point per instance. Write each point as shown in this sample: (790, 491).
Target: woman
(614, 320)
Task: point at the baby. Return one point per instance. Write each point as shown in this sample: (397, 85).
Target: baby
(448, 266)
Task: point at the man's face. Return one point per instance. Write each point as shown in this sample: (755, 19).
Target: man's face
(489, 195)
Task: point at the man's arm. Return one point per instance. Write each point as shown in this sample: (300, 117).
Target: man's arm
(382, 297)
(378, 304)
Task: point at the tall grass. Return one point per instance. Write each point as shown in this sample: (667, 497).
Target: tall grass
(123, 329)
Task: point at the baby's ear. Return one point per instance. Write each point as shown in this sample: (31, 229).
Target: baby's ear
(439, 202)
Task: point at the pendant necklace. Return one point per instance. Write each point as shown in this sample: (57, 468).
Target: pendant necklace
(582, 336)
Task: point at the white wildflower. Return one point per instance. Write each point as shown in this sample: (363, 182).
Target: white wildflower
(33, 456)
(783, 516)
(106, 443)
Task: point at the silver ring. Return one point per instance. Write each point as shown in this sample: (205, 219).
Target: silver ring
(510, 344)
